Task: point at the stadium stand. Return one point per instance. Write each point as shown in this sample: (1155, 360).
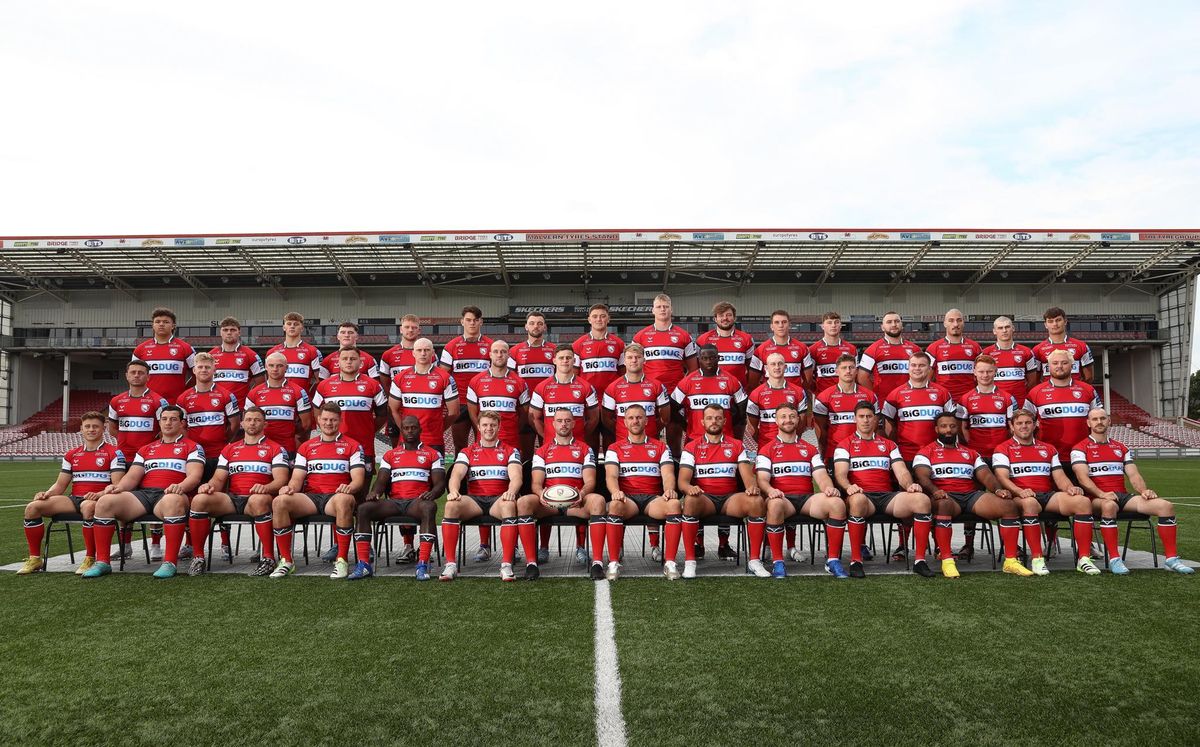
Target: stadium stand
(1124, 411)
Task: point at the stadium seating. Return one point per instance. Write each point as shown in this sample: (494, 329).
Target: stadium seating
(1178, 434)
(1137, 439)
(1124, 411)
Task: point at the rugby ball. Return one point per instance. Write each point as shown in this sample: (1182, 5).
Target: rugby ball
(560, 496)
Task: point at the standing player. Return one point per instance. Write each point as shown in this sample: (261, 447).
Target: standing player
(1062, 404)
(826, 352)
(670, 354)
(162, 475)
(490, 471)
(238, 368)
(249, 474)
(465, 357)
(399, 358)
(833, 408)
(532, 360)
(1082, 364)
(303, 359)
(771, 394)
(884, 364)
(598, 354)
(864, 467)
(709, 386)
(427, 393)
(133, 422)
(716, 476)
(796, 355)
(87, 469)
(951, 473)
(170, 359)
(285, 405)
(1017, 369)
(360, 399)
(641, 479)
(563, 459)
(411, 479)
(954, 356)
(787, 468)
(347, 336)
(1031, 471)
(1101, 465)
(328, 474)
(909, 410)
(734, 347)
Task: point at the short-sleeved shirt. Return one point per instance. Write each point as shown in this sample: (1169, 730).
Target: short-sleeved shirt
(954, 364)
(165, 462)
(715, 465)
(235, 368)
(952, 468)
(92, 470)
(411, 471)
(396, 360)
(697, 391)
(1081, 355)
(639, 465)
(487, 467)
(734, 352)
(576, 395)
(837, 407)
(1029, 466)
(358, 400)
(887, 362)
(599, 361)
(170, 365)
(533, 363)
(207, 415)
(790, 465)
(825, 358)
(329, 365)
(985, 418)
(465, 359)
(329, 464)
(281, 406)
(914, 410)
(564, 464)
(1106, 462)
(424, 396)
(870, 461)
(302, 360)
(622, 393)
(1013, 364)
(137, 420)
(763, 401)
(797, 358)
(666, 351)
(250, 464)
(1062, 413)
(501, 394)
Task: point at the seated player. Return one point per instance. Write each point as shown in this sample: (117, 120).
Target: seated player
(491, 470)
(1101, 465)
(864, 467)
(164, 472)
(1031, 471)
(411, 478)
(87, 469)
(716, 476)
(563, 460)
(641, 479)
(248, 475)
(328, 474)
(787, 468)
(766, 397)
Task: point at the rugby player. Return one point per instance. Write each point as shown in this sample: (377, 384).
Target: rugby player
(884, 364)
(464, 357)
(158, 482)
(833, 408)
(766, 397)
(797, 361)
(909, 410)
(563, 459)
(866, 468)
(303, 359)
(670, 355)
(716, 476)
(532, 360)
(1017, 369)
(248, 476)
(327, 475)
(734, 346)
(347, 336)
(598, 356)
(952, 473)
(954, 356)
(168, 357)
(787, 469)
(399, 358)
(826, 352)
(985, 411)
(87, 469)
(490, 471)
(285, 405)
(641, 479)
(411, 479)
(1031, 471)
(1101, 465)
(238, 368)
(1082, 364)
(133, 422)
(1061, 404)
(361, 401)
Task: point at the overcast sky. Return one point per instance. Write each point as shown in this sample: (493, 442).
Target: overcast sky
(139, 117)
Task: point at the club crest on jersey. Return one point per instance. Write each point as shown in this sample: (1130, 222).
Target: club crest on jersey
(880, 447)
(145, 407)
(287, 396)
(302, 355)
(1043, 453)
(262, 452)
(361, 387)
(178, 450)
(509, 388)
(215, 402)
(963, 453)
(611, 348)
(997, 401)
(933, 396)
(574, 453)
(674, 338)
(727, 452)
(432, 385)
(576, 392)
(795, 353)
(341, 450)
(721, 384)
(737, 344)
(173, 351)
(99, 461)
(1077, 394)
(239, 360)
(652, 452)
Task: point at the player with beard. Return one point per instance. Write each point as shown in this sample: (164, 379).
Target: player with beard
(734, 347)
(464, 357)
(954, 356)
(884, 364)
(303, 359)
(347, 336)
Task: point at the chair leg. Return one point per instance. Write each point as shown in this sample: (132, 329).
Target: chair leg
(145, 546)
(70, 541)
(1153, 543)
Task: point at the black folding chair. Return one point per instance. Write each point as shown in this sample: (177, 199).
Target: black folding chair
(382, 537)
(65, 520)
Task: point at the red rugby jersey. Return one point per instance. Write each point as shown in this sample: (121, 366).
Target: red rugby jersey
(328, 465)
(503, 394)
(1029, 466)
(796, 357)
(715, 465)
(599, 361)
(487, 467)
(424, 395)
(888, 364)
(329, 365)
(576, 395)
(465, 359)
(533, 363)
(914, 410)
(952, 467)
(824, 357)
(235, 368)
(396, 360)
(985, 417)
(250, 464)
(639, 465)
(954, 364)
(762, 403)
(281, 406)
(91, 470)
(870, 461)
(734, 351)
(358, 400)
(1081, 355)
(666, 351)
(837, 407)
(1012, 366)
(697, 391)
(207, 416)
(648, 393)
(166, 462)
(170, 365)
(564, 464)
(302, 360)
(1105, 462)
(136, 419)
(411, 471)
(790, 465)
(1062, 413)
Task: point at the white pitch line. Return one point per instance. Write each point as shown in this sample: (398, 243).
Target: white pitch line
(610, 724)
(15, 505)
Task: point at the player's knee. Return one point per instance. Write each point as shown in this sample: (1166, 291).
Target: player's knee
(527, 504)
(835, 508)
(858, 504)
(595, 504)
(258, 504)
(674, 506)
(426, 509)
(33, 510)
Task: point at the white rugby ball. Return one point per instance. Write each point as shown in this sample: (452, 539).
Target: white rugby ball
(559, 496)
